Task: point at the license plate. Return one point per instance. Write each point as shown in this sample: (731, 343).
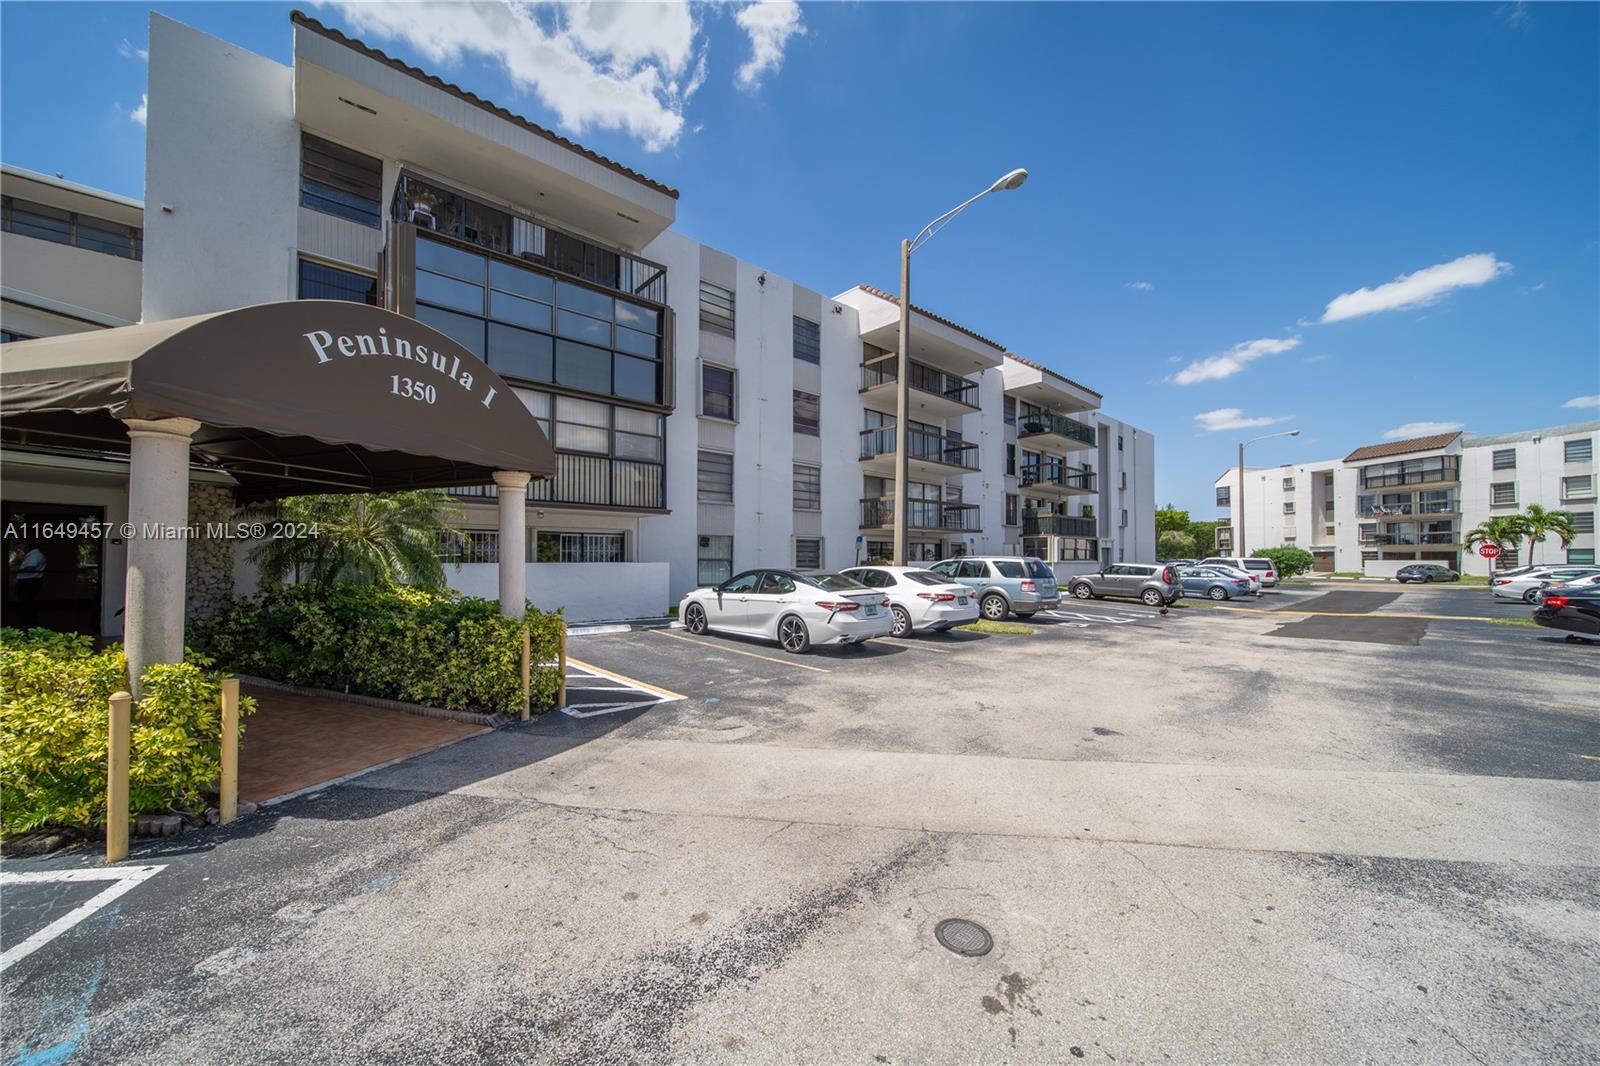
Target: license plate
(872, 611)
(961, 601)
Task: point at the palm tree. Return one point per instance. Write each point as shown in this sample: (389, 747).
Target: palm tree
(1499, 531)
(1541, 523)
(378, 539)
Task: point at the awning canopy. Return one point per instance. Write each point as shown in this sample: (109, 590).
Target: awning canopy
(294, 397)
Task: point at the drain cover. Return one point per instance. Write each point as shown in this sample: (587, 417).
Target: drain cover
(963, 937)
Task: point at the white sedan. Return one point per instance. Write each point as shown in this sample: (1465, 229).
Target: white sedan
(796, 610)
(1523, 586)
(919, 599)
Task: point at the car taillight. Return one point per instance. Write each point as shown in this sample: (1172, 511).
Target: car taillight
(885, 603)
(842, 605)
(1027, 586)
(1502, 581)
(1271, 574)
(937, 597)
(1557, 602)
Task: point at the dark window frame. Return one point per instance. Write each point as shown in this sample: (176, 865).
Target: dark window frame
(340, 181)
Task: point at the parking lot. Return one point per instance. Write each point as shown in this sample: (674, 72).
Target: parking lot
(1200, 837)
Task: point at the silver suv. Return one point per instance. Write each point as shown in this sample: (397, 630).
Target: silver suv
(1004, 585)
(1155, 583)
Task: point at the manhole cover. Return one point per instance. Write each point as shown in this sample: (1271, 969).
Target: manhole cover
(963, 937)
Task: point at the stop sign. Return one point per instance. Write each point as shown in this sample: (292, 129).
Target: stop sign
(1488, 551)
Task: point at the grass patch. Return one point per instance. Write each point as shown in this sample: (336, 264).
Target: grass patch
(1473, 579)
(983, 625)
(1513, 622)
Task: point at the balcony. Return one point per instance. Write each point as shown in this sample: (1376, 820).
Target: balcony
(590, 482)
(1057, 525)
(1055, 433)
(933, 395)
(1055, 481)
(931, 456)
(877, 512)
(1393, 539)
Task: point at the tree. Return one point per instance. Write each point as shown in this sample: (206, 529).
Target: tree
(372, 539)
(1500, 531)
(1289, 560)
(1204, 536)
(1169, 519)
(1173, 544)
(1541, 523)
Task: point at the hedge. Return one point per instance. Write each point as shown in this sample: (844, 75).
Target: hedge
(54, 690)
(433, 648)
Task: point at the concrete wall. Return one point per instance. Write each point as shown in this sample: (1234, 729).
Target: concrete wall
(586, 592)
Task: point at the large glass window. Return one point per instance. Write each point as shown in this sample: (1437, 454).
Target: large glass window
(807, 341)
(340, 181)
(807, 487)
(605, 455)
(319, 282)
(556, 547)
(714, 560)
(718, 398)
(1412, 471)
(58, 226)
(1224, 496)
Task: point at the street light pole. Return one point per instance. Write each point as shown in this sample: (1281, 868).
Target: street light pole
(1239, 504)
(902, 391)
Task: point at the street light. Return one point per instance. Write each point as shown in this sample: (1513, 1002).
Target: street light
(902, 392)
(1239, 510)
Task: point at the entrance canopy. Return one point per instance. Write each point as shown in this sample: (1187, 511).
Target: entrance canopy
(295, 397)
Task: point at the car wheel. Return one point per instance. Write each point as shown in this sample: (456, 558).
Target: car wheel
(694, 619)
(994, 607)
(1081, 591)
(793, 635)
(1217, 592)
(902, 622)
(1152, 597)
(1527, 597)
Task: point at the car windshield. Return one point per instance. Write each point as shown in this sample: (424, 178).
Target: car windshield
(1008, 568)
(832, 582)
(1036, 568)
(1258, 564)
(925, 577)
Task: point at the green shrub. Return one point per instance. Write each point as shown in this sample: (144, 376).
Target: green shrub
(433, 648)
(54, 730)
(1290, 561)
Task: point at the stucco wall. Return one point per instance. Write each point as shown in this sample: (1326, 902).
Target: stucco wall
(586, 592)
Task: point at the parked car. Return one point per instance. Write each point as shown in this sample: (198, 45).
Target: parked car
(1425, 572)
(1232, 571)
(1017, 585)
(796, 610)
(1572, 585)
(1576, 610)
(1211, 582)
(919, 600)
(1157, 584)
(1181, 562)
(1263, 567)
(1522, 587)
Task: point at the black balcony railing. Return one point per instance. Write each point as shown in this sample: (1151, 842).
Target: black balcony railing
(1059, 425)
(877, 512)
(1057, 525)
(1058, 475)
(923, 379)
(929, 447)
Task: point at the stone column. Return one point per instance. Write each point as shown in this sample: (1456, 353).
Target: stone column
(158, 509)
(513, 493)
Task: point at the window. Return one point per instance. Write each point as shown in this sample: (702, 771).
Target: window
(1013, 506)
(1411, 472)
(318, 282)
(1011, 460)
(58, 226)
(807, 341)
(1119, 442)
(340, 181)
(807, 487)
(807, 413)
(716, 477)
(1577, 488)
(9, 335)
(472, 546)
(1580, 555)
(1288, 507)
(556, 547)
(1583, 522)
(1288, 484)
(714, 561)
(1503, 494)
(1224, 496)
(1578, 450)
(716, 309)
(1507, 559)
(1010, 407)
(1122, 480)
(808, 553)
(1124, 518)
(605, 455)
(718, 398)
(1505, 459)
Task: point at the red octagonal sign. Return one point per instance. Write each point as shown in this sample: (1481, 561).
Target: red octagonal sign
(1488, 551)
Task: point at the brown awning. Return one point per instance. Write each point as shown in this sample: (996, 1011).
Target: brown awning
(293, 397)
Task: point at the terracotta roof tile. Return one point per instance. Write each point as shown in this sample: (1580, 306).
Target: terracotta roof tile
(925, 313)
(1402, 447)
(1052, 373)
(302, 19)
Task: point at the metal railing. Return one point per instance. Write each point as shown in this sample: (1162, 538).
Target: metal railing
(929, 447)
(1057, 525)
(1057, 474)
(923, 378)
(1060, 425)
(877, 512)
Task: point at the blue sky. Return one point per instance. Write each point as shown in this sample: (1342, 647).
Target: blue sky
(1222, 197)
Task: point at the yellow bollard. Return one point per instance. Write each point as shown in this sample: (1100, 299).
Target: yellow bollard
(527, 672)
(228, 801)
(117, 745)
(561, 692)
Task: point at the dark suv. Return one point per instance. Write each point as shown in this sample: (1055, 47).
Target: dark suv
(1425, 572)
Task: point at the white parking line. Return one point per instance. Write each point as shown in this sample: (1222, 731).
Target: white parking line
(620, 683)
(124, 879)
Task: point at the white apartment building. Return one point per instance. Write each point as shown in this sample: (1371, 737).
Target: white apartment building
(707, 415)
(1386, 505)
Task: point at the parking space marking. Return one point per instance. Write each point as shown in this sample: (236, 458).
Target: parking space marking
(902, 642)
(738, 651)
(123, 879)
(585, 681)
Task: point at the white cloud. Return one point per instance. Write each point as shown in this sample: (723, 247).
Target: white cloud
(1583, 401)
(1141, 286)
(141, 113)
(1230, 362)
(1232, 418)
(1319, 358)
(1420, 429)
(606, 65)
(769, 25)
(127, 51)
(1418, 289)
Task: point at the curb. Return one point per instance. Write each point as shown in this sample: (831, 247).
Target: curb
(493, 721)
(596, 629)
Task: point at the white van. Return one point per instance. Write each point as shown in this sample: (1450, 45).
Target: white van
(1261, 568)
